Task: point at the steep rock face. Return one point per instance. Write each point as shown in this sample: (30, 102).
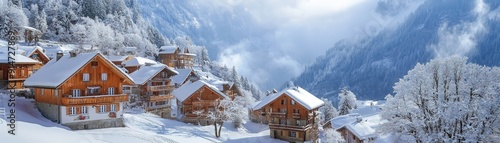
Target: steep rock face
(371, 66)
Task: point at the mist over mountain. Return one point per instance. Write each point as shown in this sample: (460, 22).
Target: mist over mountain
(438, 28)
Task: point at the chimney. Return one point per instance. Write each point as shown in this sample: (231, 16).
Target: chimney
(59, 55)
(72, 54)
(274, 91)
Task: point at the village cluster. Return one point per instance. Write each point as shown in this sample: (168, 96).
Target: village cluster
(91, 90)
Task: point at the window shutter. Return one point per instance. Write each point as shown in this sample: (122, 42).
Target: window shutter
(78, 111)
(67, 110)
(108, 107)
(117, 105)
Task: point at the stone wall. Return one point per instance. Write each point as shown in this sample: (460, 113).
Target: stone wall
(97, 124)
(49, 111)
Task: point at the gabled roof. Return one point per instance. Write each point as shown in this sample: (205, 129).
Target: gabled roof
(146, 73)
(182, 76)
(361, 130)
(56, 72)
(186, 90)
(18, 59)
(168, 49)
(298, 94)
(138, 61)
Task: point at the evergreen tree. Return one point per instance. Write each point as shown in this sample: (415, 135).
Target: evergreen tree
(347, 101)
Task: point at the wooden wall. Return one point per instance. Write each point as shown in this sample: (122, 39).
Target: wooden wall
(205, 94)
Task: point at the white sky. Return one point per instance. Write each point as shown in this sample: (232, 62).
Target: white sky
(298, 31)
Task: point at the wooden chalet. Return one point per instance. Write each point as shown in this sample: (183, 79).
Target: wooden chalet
(353, 128)
(197, 96)
(155, 89)
(23, 68)
(173, 56)
(35, 52)
(136, 63)
(290, 114)
(80, 91)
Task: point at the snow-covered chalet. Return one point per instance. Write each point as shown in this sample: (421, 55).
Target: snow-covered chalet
(80, 91)
(290, 114)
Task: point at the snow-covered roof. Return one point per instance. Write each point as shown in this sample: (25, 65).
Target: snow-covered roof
(138, 61)
(145, 73)
(182, 76)
(186, 90)
(130, 49)
(18, 59)
(298, 94)
(361, 130)
(168, 49)
(343, 120)
(55, 72)
(116, 58)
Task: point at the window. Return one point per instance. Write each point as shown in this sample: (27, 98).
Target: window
(104, 76)
(93, 90)
(298, 122)
(85, 110)
(41, 92)
(22, 72)
(102, 109)
(111, 91)
(72, 110)
(76, 92)
(86, 77)
(283, 122)
(162, 74)
(113, 108)
(293, 134)
(292, 102)
(94, 63)
(282, 102)
(35, 56)
(56, 93)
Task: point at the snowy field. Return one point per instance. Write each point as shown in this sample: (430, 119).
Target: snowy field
(31, 126)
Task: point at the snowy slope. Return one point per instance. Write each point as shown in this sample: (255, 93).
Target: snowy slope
(141, 127)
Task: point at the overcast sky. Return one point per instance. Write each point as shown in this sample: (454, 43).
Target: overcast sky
(298, 31)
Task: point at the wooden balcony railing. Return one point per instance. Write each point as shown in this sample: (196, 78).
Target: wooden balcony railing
(289, 126)
(160, 98)
(204, 103)
(161, 88)
(94, 99)
(161, 79)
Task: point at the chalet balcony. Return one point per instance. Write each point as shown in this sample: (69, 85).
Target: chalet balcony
(160, 98)
(299, 127)
(204, 103)
(94, 99)
(161, 79)
(161, 88)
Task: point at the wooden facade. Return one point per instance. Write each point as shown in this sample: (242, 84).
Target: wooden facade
(96, 86)
(38, 55)
(177, 58)
(156, 93)
(289, 116)
(203, 99)
(16, 75)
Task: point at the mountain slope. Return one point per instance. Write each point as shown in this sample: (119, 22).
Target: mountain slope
(371, 66)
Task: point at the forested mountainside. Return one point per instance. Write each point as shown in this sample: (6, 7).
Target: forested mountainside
(108, 25)
(438, 28)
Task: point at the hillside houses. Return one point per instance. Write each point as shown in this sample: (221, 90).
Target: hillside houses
(290, 114)
(155, 88)
(80, 91)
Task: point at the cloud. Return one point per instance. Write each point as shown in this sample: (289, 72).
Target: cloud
(459, 40)
(296, 33)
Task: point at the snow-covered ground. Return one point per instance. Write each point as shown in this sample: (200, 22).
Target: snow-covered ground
(141, 127)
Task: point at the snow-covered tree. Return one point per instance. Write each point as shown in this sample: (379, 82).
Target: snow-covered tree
(217, 116)
(332, 136)
(198, 114)
(327, 111)
(347, 101)
(445, 100)
(235, 110)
